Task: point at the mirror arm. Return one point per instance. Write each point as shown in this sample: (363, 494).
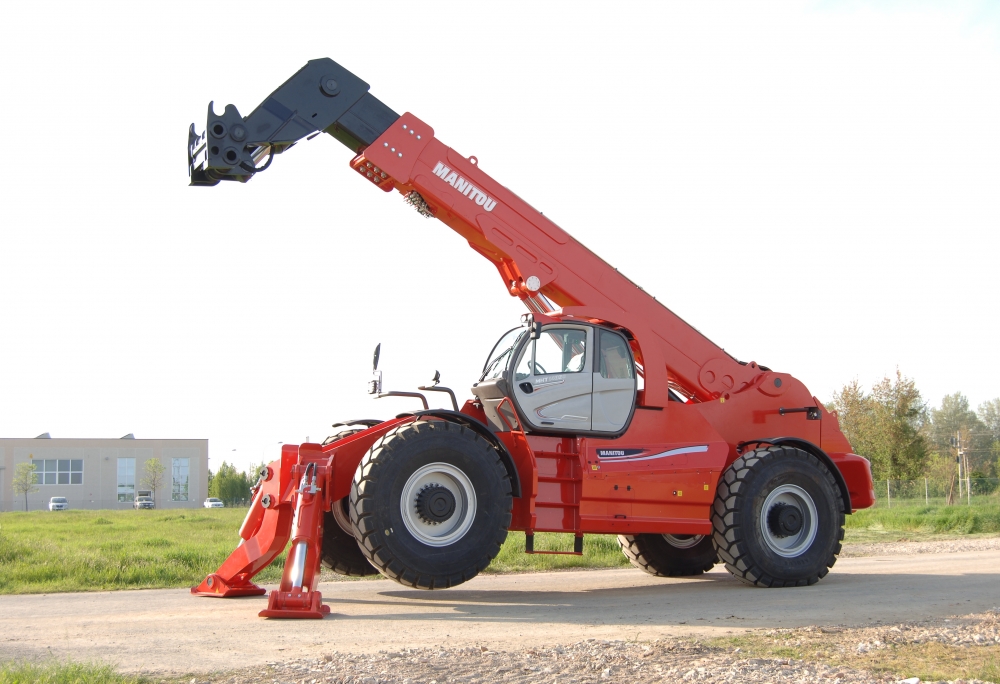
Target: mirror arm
(419, 396)
(454, 400)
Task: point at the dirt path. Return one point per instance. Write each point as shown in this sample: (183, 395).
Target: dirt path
(170, 631)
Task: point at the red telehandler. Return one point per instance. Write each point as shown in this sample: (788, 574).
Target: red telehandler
(602, 413)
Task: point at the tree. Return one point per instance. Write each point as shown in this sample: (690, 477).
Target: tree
(231, 485)
(886, 426)
(153, 475)
(989, 416)
(25, 480)
(956, 421)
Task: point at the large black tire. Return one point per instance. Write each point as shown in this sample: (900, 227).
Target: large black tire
(340, 549)
(778, 518)
(667, 555)
(456, 495)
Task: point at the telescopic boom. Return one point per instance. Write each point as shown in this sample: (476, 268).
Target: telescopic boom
(550, 271)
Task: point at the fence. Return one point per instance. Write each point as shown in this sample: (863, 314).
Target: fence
(967, 492)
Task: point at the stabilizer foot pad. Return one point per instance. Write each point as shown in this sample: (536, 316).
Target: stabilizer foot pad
(295, 605)
(216, 587)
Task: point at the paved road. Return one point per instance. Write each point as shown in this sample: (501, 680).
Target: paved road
(173, 632)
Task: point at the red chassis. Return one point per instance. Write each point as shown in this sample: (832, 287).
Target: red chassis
(566, 487)
(700, 423)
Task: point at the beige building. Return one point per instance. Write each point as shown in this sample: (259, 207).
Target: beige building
(104, 473)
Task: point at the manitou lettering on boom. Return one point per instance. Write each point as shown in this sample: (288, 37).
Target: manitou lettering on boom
(464, 187)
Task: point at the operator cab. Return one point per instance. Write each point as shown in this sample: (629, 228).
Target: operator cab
(562, 378)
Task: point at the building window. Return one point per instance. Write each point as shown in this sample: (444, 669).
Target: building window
(59, 471)
(126, 480)
(179, 487)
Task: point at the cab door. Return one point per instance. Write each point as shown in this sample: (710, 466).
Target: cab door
(553, 379)
(614, 383)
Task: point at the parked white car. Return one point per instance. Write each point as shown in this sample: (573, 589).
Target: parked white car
(58, 503)
(212, 502)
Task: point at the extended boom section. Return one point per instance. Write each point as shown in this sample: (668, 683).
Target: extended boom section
(603, 413)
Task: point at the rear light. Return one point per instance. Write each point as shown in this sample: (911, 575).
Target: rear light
(372, 173)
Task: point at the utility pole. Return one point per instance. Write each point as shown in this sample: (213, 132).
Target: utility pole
(968, 477)
(957, 443)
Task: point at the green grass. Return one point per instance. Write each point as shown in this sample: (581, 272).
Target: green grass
(930, 662)
(599, 551)
(63, 673)
(917, 522)
(42, 552)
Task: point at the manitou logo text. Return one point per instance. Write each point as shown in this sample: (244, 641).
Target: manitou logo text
(464, 187)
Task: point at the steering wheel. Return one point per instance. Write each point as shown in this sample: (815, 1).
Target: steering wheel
(537, 368)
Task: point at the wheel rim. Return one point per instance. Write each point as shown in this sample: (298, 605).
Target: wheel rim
(683, 541)
(341, 516)
(785, 508)
(438, 504)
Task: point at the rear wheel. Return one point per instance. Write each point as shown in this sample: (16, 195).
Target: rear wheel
(669, 555)
(778, 518)
(430, 504)
(340, 549)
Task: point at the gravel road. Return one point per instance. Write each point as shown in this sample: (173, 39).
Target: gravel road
(602, 660)
(492, 622)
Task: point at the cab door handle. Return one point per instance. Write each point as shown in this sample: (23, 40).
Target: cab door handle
(526, 387)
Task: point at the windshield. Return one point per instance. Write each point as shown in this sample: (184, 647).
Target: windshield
(58, 499)
(213, 500)
(500, 355)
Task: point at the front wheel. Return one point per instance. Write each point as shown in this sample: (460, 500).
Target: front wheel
(431, 504)
(778, 518)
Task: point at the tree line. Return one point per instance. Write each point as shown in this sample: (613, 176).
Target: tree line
(232, 485)
(906, 439)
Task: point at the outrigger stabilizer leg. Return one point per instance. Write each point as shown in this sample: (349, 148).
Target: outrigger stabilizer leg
(266, 531)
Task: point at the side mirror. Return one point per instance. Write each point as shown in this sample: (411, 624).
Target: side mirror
(375, 384)
(534, 328)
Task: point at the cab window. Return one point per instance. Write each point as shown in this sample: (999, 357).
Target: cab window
(500, 356)
(615, 361)
(562, 350)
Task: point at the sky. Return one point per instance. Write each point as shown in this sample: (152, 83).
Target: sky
(814, 186)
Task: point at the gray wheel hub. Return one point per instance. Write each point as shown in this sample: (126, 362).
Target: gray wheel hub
(438, 504)
(435, 504)
(788, 521)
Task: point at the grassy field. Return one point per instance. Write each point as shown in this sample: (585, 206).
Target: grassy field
(43, 552)
(917, 522)
(931, 662)
(63, 673)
